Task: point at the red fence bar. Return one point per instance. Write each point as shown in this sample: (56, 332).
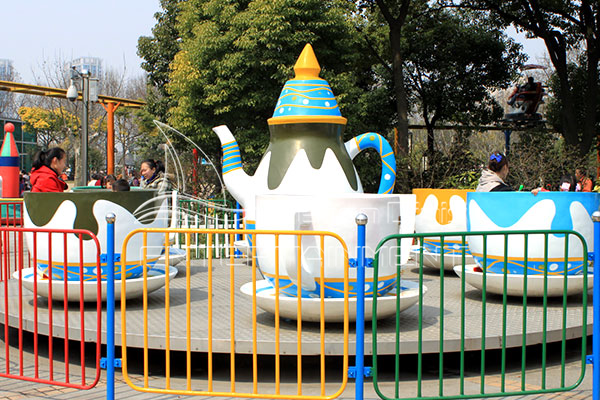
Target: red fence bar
(11, 213)
(39, 265)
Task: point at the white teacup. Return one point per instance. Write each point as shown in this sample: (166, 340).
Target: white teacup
(337, 214)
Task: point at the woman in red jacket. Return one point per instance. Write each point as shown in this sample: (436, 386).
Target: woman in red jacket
(47, 167)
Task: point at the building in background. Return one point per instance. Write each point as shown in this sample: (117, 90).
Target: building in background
(26, 142)
(7, 103)
(91, 64)
(6, 69)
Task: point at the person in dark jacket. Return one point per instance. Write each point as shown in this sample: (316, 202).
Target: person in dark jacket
(47, 167)
(492, 178)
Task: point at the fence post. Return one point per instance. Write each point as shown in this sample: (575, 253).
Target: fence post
(596, 322)
(237, 214)
(110, 306)
(361, 222)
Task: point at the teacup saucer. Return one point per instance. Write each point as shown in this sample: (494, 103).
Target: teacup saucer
(334, 308)
(434, 260)
(175, 257)
(514, 283)
(135, 287)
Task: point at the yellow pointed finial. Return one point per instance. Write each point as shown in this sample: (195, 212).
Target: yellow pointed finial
(307, 66)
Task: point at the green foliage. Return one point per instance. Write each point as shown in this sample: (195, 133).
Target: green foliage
(452, 60)
(577, 73)
(236, 55)
(158, 52)
(541, 158)
(456, 168)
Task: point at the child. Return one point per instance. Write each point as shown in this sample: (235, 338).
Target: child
(120, 185)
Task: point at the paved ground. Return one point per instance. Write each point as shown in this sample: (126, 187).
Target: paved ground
(17, 389)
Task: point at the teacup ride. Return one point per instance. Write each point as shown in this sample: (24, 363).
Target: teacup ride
(440, 211)
(87, 209)
(553, 263)
(306, 156)
(335, 214)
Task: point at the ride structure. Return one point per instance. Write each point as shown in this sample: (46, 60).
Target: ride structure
(525, 100)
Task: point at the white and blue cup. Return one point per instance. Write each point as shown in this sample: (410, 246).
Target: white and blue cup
(87, 209)
(387, 215)
(509, 211)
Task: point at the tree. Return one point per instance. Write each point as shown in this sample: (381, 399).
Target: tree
(562, 25)
(50, 126)
(158, 52)
(577, 73)
(235, 57)
(395, 14)
(9, 101)
(452, 61)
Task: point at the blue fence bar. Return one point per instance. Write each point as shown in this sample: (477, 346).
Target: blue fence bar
(361, 222)
(110, 307)
(596, 329)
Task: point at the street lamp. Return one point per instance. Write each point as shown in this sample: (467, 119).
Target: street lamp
(89, 93)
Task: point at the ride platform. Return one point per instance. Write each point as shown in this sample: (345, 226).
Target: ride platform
(442, 319)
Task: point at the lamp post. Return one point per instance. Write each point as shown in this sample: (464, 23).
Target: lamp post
(87, 96)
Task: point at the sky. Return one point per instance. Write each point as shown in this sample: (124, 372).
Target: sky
(34, 31)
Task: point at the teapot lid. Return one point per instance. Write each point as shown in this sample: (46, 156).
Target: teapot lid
(307, 98)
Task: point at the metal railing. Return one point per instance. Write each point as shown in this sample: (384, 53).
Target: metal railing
(32, 261)
(501, 321)
(490, 319)
(206, 214)
(193, 317)
(11, 212)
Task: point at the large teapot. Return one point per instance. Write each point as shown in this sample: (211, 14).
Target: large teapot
(306, 153)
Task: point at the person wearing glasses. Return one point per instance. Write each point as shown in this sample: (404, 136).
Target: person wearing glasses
(492, 178)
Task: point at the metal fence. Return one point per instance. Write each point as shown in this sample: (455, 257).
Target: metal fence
(494, 318)
(32, 264)
(506, 312)
(11, 212)
(218, 317)
(199, 214)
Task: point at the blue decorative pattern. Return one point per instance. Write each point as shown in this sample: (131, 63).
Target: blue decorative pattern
(90, 273)
(496, 265)
(232, 158)
(306, 98)
(332, 289)
(450, 247)
(372, 140)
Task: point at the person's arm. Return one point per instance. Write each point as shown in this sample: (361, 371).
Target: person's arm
(587, 185)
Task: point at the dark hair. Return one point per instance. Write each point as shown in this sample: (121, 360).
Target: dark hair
(155, 164)
(567, 178)
(45, 157)
(582, 171)
(497, 161)
(120, 185)
(105, 179)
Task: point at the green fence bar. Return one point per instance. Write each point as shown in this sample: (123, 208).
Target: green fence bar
(496, 313)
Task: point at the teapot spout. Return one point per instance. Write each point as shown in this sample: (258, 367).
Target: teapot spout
(237, 181)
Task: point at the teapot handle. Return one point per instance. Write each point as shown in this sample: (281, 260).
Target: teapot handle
(372, 140)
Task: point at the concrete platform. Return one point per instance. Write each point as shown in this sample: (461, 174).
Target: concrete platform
(225, 276)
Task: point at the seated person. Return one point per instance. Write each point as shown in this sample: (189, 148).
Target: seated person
(120, 185)
(567, 183)
(492, 178)
(584, 183)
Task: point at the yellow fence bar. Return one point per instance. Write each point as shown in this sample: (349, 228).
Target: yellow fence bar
(198, 311)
